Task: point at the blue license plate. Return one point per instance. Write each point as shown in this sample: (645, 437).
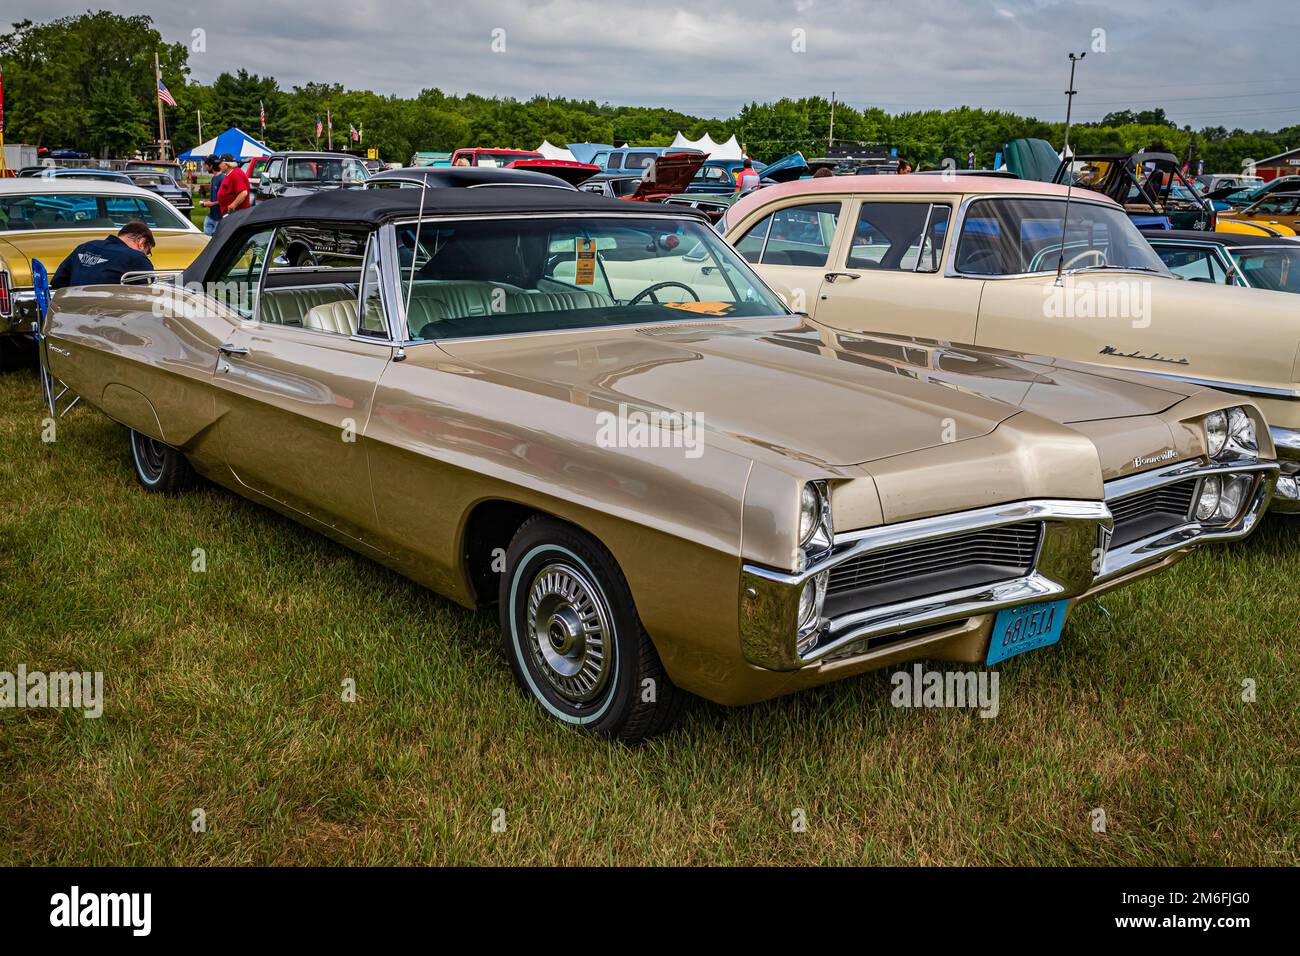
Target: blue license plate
(1025, 628)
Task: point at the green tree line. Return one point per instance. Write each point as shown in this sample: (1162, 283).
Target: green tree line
(88, 82)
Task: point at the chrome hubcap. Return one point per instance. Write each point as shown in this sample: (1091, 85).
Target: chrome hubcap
(149, 454)
(569, 632)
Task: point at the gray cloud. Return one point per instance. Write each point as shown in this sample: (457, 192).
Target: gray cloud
(1207, 63)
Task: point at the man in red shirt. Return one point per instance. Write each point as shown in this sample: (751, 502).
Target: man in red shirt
(233, 194)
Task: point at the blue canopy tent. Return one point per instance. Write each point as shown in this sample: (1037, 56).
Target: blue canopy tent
(233, 141)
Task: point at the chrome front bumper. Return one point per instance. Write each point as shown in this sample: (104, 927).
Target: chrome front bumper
(769, 604)
(1123, 559)
(1073, 558)
(1287, 498)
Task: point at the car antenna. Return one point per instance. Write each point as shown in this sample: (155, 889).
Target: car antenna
(415, 247)
(1065, 158)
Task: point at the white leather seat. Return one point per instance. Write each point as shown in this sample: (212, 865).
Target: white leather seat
(339, 317)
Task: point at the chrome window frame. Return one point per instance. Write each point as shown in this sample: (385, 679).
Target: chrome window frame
(1220, 256)
(959, 226)
(400, 327)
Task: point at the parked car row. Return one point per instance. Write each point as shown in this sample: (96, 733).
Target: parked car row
(855, 424)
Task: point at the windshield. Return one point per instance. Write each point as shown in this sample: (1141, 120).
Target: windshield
(84, 211)
(1019, 236)
(504, 159)
(325, 171)
(497, 277)
(1276, 269)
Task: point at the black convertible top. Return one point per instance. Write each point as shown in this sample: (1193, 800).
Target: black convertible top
(373, 207)
(1233, 239)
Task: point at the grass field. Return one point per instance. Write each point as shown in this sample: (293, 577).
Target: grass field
(223, 693)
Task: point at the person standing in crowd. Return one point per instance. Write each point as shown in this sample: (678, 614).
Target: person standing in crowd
(214, 209)
(233, 196)
(822, 172)
(904, 166)
(746, 177)
(105, 261)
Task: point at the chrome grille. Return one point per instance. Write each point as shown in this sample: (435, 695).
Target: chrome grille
(1142, 515)
(932, 567)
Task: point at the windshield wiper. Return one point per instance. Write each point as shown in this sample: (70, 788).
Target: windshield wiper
(1115, 268)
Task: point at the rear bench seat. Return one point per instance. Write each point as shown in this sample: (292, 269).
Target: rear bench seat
(333, 308)
(435, 301)
(290, 306)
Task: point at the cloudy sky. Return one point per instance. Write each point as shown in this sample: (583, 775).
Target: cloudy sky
(1208, 62)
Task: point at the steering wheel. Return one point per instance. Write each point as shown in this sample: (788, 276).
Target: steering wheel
(651, 290)
(1095, 253)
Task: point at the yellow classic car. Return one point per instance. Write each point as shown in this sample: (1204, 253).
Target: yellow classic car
(594, 415)
(996, 262)
(46, 219)
(1277, 214)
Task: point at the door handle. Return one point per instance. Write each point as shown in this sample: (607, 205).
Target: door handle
(229, 349)
(832, 276)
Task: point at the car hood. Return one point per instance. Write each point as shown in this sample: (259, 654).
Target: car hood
(786, 169)
(670, 173)
(571, 173)
(175, 250)
(773, 385)
(1057, 389)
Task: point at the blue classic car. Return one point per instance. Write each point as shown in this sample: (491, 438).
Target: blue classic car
(1225, 258)
(634, 158)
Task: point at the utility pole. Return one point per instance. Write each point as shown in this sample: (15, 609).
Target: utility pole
(199, 114)
(157, 97)
(1069, 102)
(830, 136)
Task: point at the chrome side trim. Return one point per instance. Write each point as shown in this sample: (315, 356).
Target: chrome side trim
(1063, 568)
(1237, 388)
(1121, 560)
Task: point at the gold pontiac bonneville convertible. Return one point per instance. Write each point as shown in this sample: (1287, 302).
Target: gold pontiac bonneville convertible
(46, 219)
(975, 259)
(595, 415)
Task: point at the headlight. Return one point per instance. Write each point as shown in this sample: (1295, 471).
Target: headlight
(1216, 432)
(1241, 433)
(810, 513)
(1231, 434)
(1233, 496)
(1207, 506)
(1222, 498)
(815, 535)
(811, 600)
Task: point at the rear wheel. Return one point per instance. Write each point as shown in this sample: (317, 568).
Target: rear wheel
(574, 639)
(159, 468)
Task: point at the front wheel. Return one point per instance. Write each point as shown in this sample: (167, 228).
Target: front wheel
(573, 637)
(159, 468)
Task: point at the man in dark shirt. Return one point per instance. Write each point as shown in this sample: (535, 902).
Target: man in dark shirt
(214, 186)
(105, 261)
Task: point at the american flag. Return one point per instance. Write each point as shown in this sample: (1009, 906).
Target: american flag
(353, 134)
(164, 94)
(319, 127)
(261, 109)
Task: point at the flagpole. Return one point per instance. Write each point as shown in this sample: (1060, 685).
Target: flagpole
(4, 165)
(157, 91)
(329, 130)
(199, 113)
